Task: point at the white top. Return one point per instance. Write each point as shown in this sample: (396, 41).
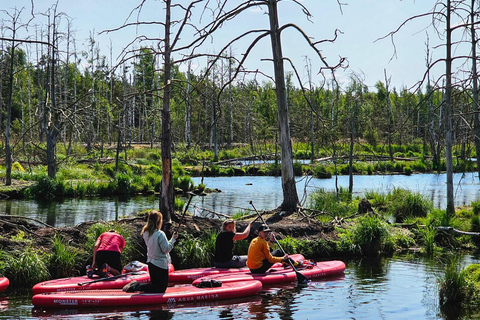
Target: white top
(158, 248)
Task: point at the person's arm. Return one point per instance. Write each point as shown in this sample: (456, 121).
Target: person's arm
(166, 245)
(244, 234)
(269, 257)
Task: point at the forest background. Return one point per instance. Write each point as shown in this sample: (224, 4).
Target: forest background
(53, 92)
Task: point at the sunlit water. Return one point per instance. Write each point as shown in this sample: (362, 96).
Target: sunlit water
(381, 288)
(237, 192)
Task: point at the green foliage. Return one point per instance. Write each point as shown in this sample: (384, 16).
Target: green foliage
(333, 203)
(428, 236)
(369, 235)
(194, 251)
(43, 190)
(454, 287)
(321, 172)
(179, 204)
(240, 214)
(475, 207)
(62, 261)
(403, 203)
(439, 217)
(184, 183)
(25, 268)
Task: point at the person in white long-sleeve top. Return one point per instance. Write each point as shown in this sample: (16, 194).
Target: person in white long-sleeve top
(158, 257)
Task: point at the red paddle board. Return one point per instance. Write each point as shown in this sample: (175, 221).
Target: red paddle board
(321, 269)
(176, 294)
(4, 283)
(188, 275)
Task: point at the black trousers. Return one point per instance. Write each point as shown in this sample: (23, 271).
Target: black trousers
(158, 280)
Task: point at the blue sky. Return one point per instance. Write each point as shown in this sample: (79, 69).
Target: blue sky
(361, 23)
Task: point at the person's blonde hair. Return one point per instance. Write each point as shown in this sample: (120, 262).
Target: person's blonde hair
(154, 222)
(226, 223)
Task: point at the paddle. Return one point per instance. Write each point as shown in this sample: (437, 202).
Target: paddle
(185, 211)
(301, 279)
(111, 278)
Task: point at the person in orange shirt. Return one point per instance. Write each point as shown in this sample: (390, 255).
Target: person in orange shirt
(259, 258)
(106, 255)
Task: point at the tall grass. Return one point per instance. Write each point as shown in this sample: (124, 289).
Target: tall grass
(62, 261)
(26, 268)
(454, 287)
(194, 251)
(332, 202)
(428, 236)
(369, 235)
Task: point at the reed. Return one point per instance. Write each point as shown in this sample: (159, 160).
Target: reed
(454, 287)
(194, 251)
(428, 236)
(63, 259)
(26, 268)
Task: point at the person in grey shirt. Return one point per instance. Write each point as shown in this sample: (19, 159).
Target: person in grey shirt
(158, 257)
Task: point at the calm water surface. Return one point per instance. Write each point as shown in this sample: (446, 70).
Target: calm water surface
(384, 288)
(237, 192)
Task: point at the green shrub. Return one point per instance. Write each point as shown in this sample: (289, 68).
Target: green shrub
(321, 172)
(179, 204)
(371, 235)
(404, 203)
(43, 190)
(124, 183)
(331, 202)
(475, 207)
(297, 168)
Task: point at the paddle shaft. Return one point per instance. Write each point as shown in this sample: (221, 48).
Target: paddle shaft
(300, 277)
(184, 211)
(111, 278)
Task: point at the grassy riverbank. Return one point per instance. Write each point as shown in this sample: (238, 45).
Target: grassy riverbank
(95, 173)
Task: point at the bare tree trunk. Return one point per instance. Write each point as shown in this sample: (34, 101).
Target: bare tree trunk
(8, 153)
(390, 118)
(448, 115)
(230, 101)
(52, 129)
(350, 154)
(290, 195)
(188, 108)
(476, 120)
(167, 194)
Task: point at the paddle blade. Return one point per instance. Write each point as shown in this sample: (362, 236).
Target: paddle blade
(301, 279)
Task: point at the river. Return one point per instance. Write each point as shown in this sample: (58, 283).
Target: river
(402, 287)
(237, 192)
